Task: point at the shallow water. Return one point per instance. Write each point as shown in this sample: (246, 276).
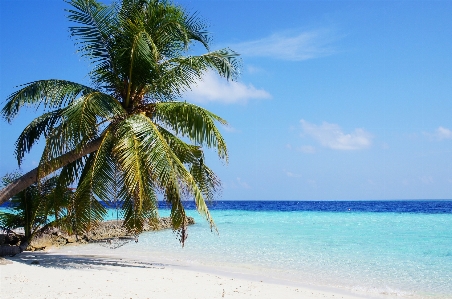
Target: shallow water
(406, 254)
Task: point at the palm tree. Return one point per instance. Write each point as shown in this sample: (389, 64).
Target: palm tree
(32, 207)
(128, 128)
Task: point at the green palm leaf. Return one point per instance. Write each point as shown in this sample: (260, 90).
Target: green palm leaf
(192, 121)
(42, 125)
(50, 94)
(168, 171)
(83, 116)
(87, 210)
(98, 23)
(193, 157)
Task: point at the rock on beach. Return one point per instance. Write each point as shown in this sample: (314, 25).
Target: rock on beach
(54, 237)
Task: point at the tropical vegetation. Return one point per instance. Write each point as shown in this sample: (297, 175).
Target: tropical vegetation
(127, 135)
(37, 207)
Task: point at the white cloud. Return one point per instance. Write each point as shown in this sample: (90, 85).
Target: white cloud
(307, 149)
(312, 183)
(295, 46)
(426, 179)
(292, 175)
(213, 88)
(440, 134)
(238, 183)
(230, 129)
(242, 183)
(331, 136)
(254, 69)
(443, 133)
(371, 182)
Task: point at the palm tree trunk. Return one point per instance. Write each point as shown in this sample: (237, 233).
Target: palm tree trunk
(32, 176)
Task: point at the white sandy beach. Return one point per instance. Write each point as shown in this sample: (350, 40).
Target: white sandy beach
(77, 275)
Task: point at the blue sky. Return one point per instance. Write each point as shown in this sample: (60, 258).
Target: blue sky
(337, 100)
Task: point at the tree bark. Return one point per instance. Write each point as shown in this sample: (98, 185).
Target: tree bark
(31, 177)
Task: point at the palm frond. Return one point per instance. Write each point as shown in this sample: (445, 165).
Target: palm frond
(82, 116)
(186, 153)
(81, 122)
(187, 70)
(57, 153)
(173, 197)
(197, 30)
(136, 215)
(40, 126)
(207, 181)
(224, 61)
(97, 25)
(161, 162)
(103, 169)
(59, 199)
(192, 155)
(139, 194)
(192, 121)
(51, 94)
(87, 212)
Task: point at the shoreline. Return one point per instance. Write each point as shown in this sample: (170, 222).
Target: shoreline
(345, 259)
(103, 274)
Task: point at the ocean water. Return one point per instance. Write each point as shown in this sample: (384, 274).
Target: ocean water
(397, 248)
(383, 249)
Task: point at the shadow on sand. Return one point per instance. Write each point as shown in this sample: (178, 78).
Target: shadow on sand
(67, 261)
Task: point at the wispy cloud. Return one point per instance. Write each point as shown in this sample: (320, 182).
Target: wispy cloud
(426, 179)
(440, 133)
(332, 136)
(295, 46)
(312, 183)
(307, 149)
(292, 174)
(213, 88)
(230, 129)
(242, 184)
(251, 69)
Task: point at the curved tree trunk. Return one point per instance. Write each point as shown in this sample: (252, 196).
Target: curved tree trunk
(31, 177)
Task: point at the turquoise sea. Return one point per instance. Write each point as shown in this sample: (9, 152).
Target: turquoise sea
(398, 248)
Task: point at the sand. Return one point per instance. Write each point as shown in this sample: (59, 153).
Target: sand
(59, 274)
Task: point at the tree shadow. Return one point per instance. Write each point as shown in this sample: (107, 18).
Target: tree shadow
(83, 261)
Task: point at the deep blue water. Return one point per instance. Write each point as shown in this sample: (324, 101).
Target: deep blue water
(395, 206)
(382, 206)
(428, 207)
